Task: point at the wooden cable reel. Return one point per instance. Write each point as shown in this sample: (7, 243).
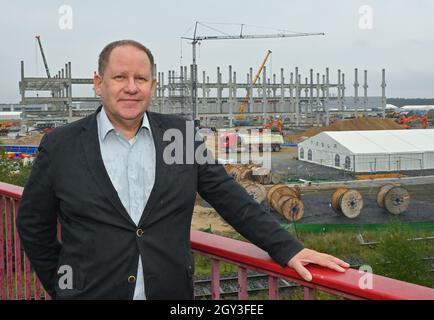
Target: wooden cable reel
(286, 201)
(255, 190)
(233, 171)
(348, 202)
(262, 175)
(250, 172)
(394, 198)
(245, 173)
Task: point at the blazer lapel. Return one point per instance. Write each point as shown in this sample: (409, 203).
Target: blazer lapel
(92, 152)
(157, 129)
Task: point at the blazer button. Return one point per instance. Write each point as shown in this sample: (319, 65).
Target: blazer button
(139, 232)
(131, 279)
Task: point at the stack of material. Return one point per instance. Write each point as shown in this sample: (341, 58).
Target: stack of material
(252, 178)
(249, 172)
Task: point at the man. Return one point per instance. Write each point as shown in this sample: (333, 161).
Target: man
(125, 213)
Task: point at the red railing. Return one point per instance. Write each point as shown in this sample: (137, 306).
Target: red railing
(17, 281)
(249, 257)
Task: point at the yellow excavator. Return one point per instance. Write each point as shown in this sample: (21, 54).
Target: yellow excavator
(243, 103)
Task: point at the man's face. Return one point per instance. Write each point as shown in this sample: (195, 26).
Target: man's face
(127, 86)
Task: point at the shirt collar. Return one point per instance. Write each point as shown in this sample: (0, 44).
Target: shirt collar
(105, 125)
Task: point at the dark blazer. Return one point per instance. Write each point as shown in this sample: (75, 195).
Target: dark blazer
(100, 242)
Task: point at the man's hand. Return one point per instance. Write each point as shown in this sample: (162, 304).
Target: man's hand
(307, 256)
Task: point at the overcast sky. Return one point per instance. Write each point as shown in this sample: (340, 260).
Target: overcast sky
(399, 38)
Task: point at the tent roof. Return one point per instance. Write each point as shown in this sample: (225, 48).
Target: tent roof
(384, 141)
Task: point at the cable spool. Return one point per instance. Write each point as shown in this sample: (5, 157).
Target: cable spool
(293, 209)
(348, 202)
(252, 165)
(394, 198)
(262, 175)
(234, 171)
(286, 201)
(245, 173)
(297, 191)
(255, 190)
(228, 168)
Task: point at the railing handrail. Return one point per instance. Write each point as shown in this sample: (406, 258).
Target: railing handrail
(247, 254)
(11, 190)
(250, 255)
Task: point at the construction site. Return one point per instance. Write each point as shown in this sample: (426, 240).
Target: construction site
(324, 138)
(303, 185)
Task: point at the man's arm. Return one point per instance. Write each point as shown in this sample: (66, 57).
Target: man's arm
(37, 219)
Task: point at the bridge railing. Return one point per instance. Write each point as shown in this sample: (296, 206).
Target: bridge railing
(17, 281)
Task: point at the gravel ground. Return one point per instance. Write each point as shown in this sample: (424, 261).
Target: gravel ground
(319, 211)
(317, 203)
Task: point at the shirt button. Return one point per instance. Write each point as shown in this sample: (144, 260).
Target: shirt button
(131, 279)
(139, 232)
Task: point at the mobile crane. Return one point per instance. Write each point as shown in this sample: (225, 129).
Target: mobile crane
(241, 110)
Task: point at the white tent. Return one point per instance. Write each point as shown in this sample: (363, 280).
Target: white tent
(418, 108)
(371, 150)
(391, 107)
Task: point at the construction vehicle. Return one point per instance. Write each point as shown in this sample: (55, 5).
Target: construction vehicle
(5, 126)
(38, 38)
(406, 121)
(243, 103)
(274, 125)
(248, 142)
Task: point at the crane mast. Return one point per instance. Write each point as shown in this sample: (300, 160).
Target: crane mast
(196, 39)
(43, 56)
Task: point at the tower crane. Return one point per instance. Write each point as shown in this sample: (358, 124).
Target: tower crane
(197, 39)
(43, 56)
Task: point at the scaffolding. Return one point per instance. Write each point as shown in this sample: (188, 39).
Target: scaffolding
(312, 102)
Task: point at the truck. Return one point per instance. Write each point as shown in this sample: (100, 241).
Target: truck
(240, 142)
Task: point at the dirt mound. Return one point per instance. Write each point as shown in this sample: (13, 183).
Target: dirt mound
(31, 140)
(348, 125)
(357, 124)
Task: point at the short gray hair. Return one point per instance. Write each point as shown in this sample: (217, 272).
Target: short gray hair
(105, 53)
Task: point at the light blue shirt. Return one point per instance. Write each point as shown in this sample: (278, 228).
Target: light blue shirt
(131, 167)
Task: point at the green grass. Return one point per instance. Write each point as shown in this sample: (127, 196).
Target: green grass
(394, 256)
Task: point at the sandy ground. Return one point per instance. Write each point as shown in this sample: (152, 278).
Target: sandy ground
(204, 218)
